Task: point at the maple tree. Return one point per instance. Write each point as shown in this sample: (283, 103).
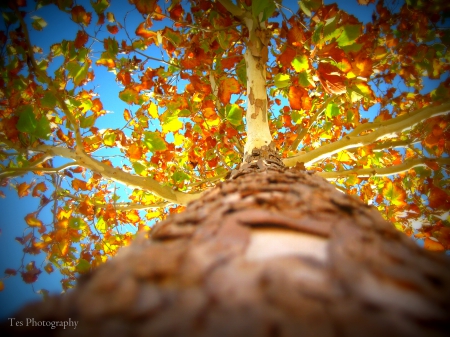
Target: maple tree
(232, 76)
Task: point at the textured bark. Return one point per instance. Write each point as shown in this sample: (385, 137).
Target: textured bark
(270, 252)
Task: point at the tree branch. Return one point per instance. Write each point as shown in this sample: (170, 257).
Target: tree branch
(385, 171)
(381, 130)
(144, 183)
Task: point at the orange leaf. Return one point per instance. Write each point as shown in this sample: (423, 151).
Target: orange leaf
(143, 32)
(23, 190)
(2, 285)
(78, 184)
(331, 79)
(48, 268)
(32, 221)
(299, 99)
(39, 188)
(430, 244)
(134, 152)
(126, 115)
(227, 87)
(97, 105)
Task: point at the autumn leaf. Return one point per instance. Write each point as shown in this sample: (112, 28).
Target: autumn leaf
(134, 152)
(31, 274)
(79, 15)
(394, 193)
(78, 184)
(438, 198)
(331, 79)
(144, 6)
(41, 187)
(431, 244)
(23, 189)
(228, 86)
(2, 285)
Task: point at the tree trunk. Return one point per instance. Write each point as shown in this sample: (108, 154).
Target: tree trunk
(269, 252)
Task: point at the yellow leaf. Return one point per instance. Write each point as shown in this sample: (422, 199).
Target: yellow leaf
(178, 139)
(172, 125)
(32, 221)
(153, 110)
(2, 285)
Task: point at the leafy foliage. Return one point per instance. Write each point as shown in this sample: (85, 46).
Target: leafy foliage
(179, 81)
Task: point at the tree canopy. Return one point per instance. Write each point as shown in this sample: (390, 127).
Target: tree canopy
(347, 99)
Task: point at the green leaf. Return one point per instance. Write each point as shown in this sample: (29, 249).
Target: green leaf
(241, 72)
(83, 266)
(180, 176)
(38, 23)
(309, 5)
(234, 114)
(349, 35)
(305, 79)
(75, 223)
(27, 122)
(129, 96)
(332, 110)
(154, 142)
(267, 7)
(87, 122)
(139, 168)
(48, 101)
(300, 63)
(100, 6)
(43, 128)
(282, 80)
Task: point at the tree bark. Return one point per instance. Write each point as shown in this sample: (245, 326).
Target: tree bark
(269, 252)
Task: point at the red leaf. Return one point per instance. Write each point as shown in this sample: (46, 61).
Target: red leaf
(10, 271)
(31, 275)
(438, 198)
(113, 29)
(81, 39)
(144, 6)
(176, 12)
(286, 57)
(79, 15)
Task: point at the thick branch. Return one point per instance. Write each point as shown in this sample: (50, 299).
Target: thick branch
(382, 130)
(144, 183)
(385, 171)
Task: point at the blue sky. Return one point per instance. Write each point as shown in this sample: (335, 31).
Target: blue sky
(13, 209)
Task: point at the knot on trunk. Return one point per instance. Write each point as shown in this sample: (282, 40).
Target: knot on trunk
(260, 159)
